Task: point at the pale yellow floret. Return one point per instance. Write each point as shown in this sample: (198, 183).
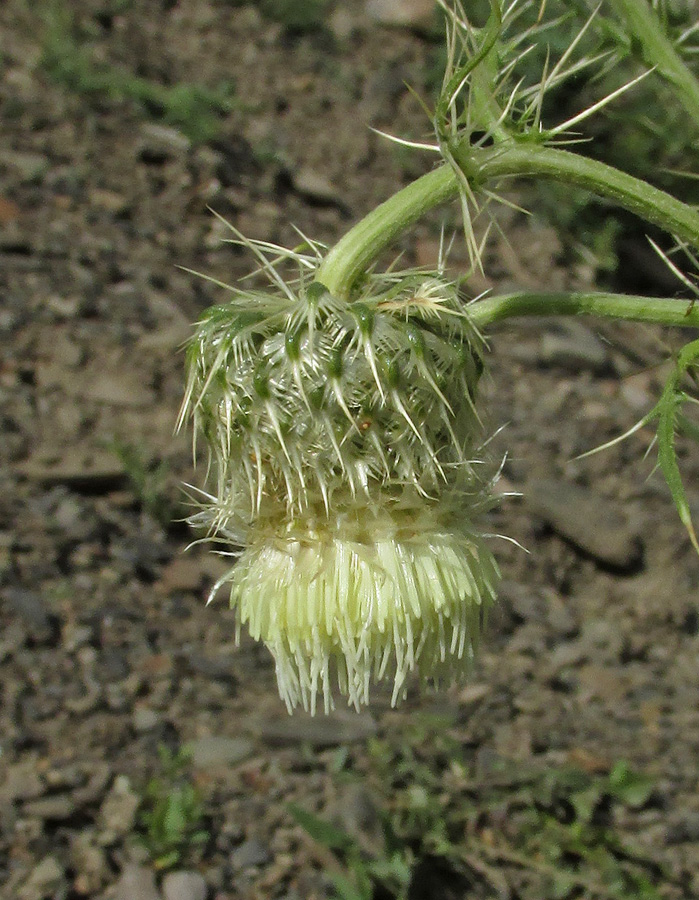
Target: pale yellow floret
(359, 601)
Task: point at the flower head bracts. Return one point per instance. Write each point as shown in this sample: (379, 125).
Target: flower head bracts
(302, 397)
(340, 437)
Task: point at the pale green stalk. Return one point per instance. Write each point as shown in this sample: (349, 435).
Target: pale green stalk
(356, 252)
(663, 311)
(634, 194)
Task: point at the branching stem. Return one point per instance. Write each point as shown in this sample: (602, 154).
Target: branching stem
(663, 311)
(634, 194)
(357, 251)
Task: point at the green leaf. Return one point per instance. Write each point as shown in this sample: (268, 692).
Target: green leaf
(346, 890)
(586, 802)
(563, 884)
(321, 831)
(167, 860)
(175, 818)
(629, 787)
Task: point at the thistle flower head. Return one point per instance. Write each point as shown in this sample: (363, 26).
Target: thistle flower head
(340, 437)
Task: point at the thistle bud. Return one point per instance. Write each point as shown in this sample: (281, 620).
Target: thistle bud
(340, 439)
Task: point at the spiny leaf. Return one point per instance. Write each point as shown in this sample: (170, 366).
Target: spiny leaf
(667, 410)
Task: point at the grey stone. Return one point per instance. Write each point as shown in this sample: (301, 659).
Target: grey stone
(29, 167)
(45, 880)
(136, 883)
(57, 808)
(218, 750)
(14, 240)
(184, 885)
(145, 719)
(42, 626)
(217, 669)
(315, 186)
(118, 811)
(75, 467)
(570, 653)
(160, 140)
(22, 782)
(250, 853)
(592, 522)
(95, 786)
(408, 13)
(684, 829)
(66, 777)
(89, 862)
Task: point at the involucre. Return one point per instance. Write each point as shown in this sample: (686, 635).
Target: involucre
(340, 438)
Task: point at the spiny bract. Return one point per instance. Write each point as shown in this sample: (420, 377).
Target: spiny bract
(299, 398)
(339, 436)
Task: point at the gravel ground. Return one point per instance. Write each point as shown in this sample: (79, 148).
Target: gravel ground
(110, 659)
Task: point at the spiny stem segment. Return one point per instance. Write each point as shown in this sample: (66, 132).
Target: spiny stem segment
(660, 310)
(632, 193)
(358, 250)
(363, 244)
(477, 99)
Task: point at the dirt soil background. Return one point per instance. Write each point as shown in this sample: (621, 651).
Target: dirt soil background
(108, 654)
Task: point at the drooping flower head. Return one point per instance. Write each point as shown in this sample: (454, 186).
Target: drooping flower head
(340, 439)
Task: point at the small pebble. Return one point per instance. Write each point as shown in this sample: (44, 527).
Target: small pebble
(184, 885)
(118, 811)
(136, 883)
(45, 880)
(250, 853)
(217, 750)
(595, 524)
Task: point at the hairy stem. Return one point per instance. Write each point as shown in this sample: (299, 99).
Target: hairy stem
(658, 50)
(661, 310)
(637, 196)
(356, 252)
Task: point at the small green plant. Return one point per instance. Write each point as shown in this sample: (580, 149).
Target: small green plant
(358, 875)
(555, 829)
(172, 813)
(194, 109)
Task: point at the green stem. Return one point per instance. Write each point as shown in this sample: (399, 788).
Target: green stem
(637, 196)
(663, 311)
(356, 252)
(659, 51)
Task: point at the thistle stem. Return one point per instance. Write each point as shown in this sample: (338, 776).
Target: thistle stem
(354, 253)
(634, 194)
(659, 51)
(661, 310)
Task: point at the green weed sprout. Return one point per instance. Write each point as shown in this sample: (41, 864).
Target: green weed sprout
(171, 817)
(338, 406)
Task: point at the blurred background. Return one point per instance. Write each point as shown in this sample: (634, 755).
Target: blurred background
(142, 754)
